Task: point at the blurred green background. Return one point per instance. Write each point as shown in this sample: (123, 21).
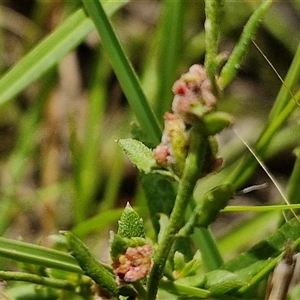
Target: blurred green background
(60, 167)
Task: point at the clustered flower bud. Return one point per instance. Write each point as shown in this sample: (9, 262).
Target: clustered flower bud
(193, 99)
(193, 95)
(134, 264)
(172, 150)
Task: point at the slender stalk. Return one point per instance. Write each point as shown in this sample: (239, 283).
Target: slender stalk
(45, 281)
(192, 172)
(293, 185)
(230, 69)
(213, 10)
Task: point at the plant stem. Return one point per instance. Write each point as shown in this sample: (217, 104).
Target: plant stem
(45, 281)
(229, 71)
(213, 9)
(192, 171)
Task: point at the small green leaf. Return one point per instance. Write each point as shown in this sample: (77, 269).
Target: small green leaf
(268, 248)
(139, 154)
(191, 270)
(131, 224)
(192, 266)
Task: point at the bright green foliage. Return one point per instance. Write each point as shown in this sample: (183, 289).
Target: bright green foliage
(123, 69)
(140, 155)
(131, 224)
(130, 233)
(33, 254)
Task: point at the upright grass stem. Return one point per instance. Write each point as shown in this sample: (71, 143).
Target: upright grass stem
(192, 172)
(293, 186)
(276, 120)
(124, 71)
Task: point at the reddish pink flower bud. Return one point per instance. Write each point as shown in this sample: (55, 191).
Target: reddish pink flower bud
(179, 88)
(135, 264)
(198, 71)
(171, 153)
(161, 154)
(193, 95)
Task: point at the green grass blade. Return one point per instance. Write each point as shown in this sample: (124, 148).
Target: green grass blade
(293, 194)
(256, 261)
(175, 288)
(42, 256)
(124, 71)
(247, 166)
(204, 241)
(284, 95)
(48, 53)
(97, 223)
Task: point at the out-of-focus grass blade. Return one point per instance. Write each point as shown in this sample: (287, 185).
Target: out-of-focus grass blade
(42, 256)
(97, 222)
(124, 71)
(87, 169)
(239, 237)
(293, 185)
(49, 52)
